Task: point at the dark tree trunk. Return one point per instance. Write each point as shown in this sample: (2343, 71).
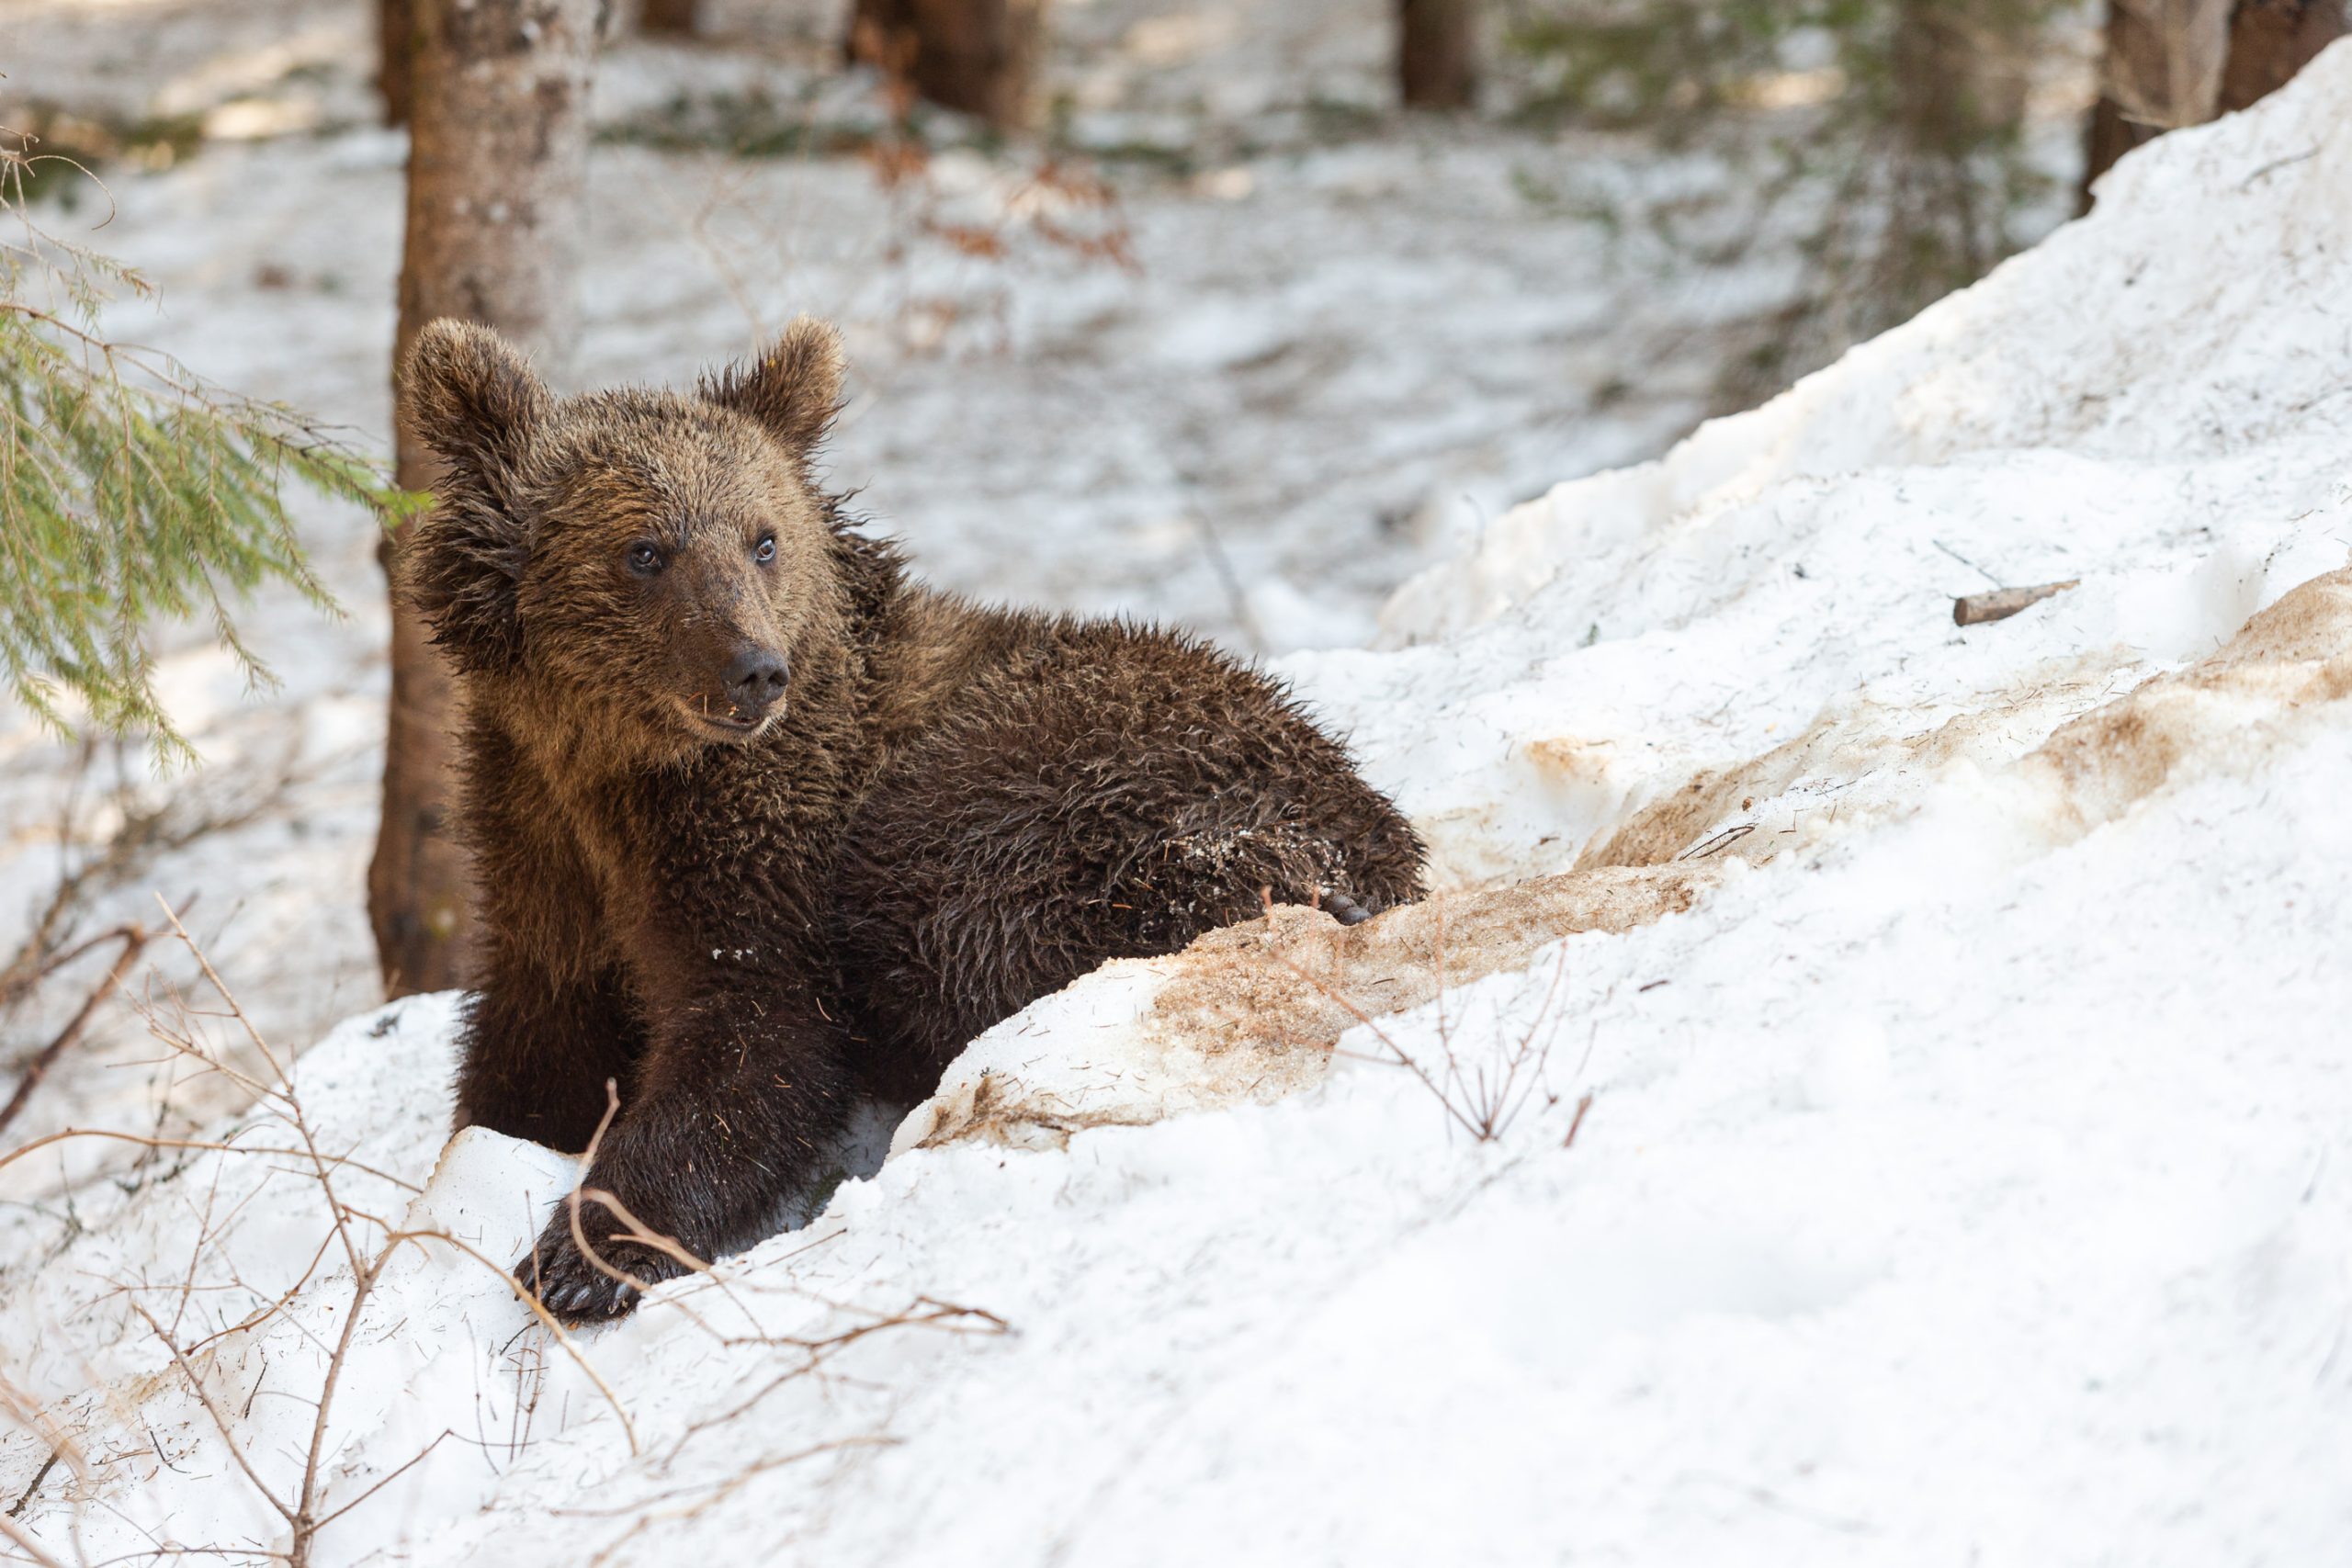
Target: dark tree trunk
(1436, 54)
(2272, 40)
(2109, 135)
(395, 29)
(676, 17)
(977, 56)
(2168, 64)
(497, 163)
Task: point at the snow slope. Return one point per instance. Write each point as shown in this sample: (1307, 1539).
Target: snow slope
(1924, 1145)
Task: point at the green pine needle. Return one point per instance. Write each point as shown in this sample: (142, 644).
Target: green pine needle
(131, 491)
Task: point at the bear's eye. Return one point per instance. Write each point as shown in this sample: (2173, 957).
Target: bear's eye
(766, 552)
(645, 556)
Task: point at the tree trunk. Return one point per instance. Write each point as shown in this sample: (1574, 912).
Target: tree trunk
(497, 164)
(975, 56)
(395, 28)
(2176, 62)
(1436, 57)
(676, 17)
(2272, 40)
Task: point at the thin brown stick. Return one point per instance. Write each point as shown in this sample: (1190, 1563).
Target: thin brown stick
(305, 1508)
(1970, 609)
(134, 940)
(143, 831)
(1576, 1122)
(306, 1520)
(638, 1232)
(1498, 1110)
(155, 1142)
(257, 1319)
(27, 1544)
(21, 1408)
(236, 1009)
(936, 1314)
(220, 1420)
(55, 962)
(727, 1487)
(1398, 1056)
(16, 1509)
(629, 1427)
(623, 1510)
(410, 1463)
(319, 1166)
(304, 1516)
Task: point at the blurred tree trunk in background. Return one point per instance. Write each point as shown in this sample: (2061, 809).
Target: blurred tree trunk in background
(977, 56)
(496, 213)
(395, 28)
(2272, 40)
(1951, 92)
(1436, 54)
(676, 17)
(2175, 62)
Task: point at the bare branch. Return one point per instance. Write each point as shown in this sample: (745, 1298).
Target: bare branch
(58, 1137)
(24, 1541)
(220, 1419)
(134, 940)
(546, 1319)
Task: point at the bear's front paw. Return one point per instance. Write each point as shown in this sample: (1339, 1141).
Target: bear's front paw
(573, 1287)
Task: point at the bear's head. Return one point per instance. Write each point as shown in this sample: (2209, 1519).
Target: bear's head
(652, 557)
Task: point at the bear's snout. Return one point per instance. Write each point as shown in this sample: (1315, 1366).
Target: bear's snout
(752, 681)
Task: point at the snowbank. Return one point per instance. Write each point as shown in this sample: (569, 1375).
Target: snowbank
(1921, 1147)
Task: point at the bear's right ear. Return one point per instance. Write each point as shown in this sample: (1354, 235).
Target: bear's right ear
(474, 400)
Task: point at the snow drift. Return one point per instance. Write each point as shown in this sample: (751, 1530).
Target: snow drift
(1872, 1094)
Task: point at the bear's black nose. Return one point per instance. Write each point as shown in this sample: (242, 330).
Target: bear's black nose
(755, 679)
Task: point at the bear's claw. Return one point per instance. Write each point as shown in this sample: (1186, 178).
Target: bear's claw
(575, 1290)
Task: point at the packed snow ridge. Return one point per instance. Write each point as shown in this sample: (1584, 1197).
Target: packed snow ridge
(1876, 1087)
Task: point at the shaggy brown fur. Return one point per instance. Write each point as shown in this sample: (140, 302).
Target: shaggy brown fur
(755, 818)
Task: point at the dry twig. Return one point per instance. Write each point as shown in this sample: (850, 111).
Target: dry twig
(1971, 609)
(1483, 1099)
(1575, 1123)
(301, 1501)
(134, 938)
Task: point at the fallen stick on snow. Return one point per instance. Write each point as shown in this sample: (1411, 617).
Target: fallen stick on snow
(2002, 603)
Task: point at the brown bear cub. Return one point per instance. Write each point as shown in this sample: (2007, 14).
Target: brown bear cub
(757, 821)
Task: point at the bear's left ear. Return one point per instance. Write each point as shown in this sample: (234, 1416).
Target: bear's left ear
(795, 388)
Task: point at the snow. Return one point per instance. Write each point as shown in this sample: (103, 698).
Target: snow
(1915, 1057)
